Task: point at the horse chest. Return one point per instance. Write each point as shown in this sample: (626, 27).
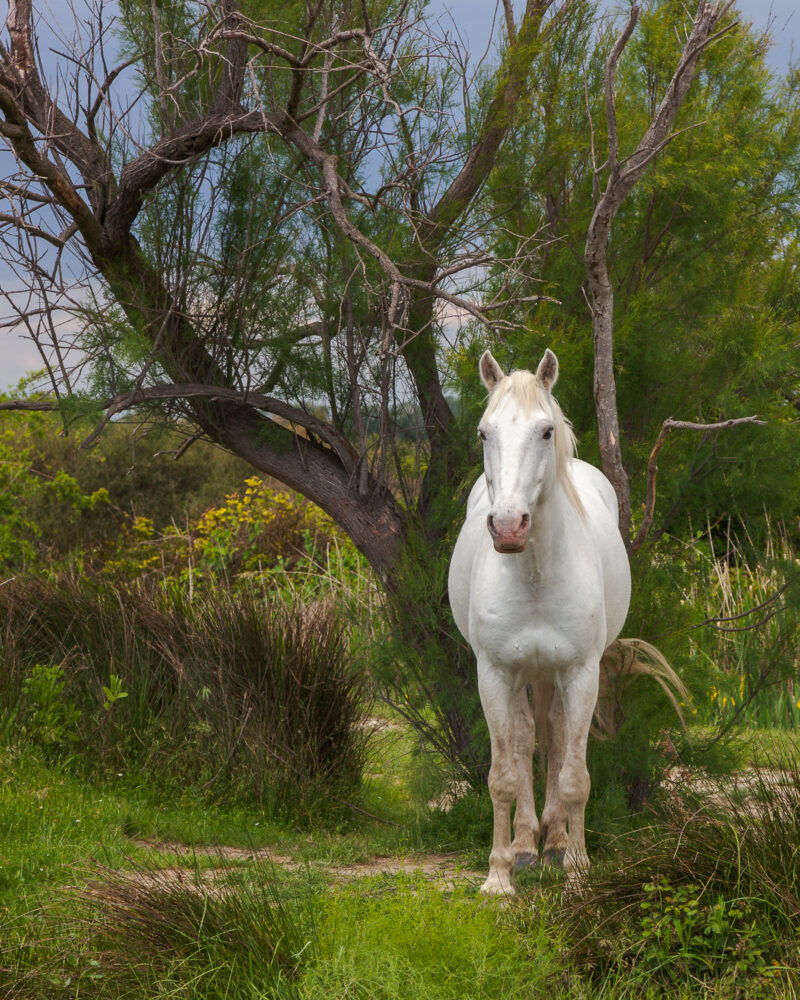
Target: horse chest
(534, 629)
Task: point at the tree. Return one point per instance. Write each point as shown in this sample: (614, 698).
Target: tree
(265, 247)
(701, 261)
(261, 228)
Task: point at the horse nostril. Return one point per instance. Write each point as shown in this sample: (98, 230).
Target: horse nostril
(525, 521)
(490, 526)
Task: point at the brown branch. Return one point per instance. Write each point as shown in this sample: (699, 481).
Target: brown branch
(499, 116)
(269, 404)
(16, 130)
(667, 427)
(620, 182)
(610, 90)
(20, 75)
(36, 231)
(29, 404)
(125, 401)
(185, 144)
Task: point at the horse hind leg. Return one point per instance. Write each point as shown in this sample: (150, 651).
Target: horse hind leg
(579, 698)
(550, 707)
(526, 826)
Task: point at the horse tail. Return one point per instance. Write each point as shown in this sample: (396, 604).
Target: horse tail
(623, 660)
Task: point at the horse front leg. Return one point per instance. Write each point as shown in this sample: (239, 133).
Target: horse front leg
(497, 699)
(579, 697)
(525, 845)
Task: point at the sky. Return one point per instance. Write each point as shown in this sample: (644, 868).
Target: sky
(473, 19)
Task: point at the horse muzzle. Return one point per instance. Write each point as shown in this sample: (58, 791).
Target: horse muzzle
(509, 531)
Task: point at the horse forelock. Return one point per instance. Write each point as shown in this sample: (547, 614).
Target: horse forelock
(523, 388)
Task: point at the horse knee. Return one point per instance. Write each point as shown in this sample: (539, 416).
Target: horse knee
(502, 782)
(573, 783)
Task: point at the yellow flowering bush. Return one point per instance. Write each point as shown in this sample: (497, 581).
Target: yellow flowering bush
(256, 531)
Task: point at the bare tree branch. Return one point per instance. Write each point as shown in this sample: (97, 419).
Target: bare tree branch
(667, 427)
(622, 176)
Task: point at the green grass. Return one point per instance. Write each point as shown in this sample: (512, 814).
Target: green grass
(403, 938)
(298, 935)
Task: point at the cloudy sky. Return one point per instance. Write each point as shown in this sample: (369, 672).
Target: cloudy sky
(473, 19)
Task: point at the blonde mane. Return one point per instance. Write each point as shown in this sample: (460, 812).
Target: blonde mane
(524, 388)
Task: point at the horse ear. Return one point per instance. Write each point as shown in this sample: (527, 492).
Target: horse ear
(491, 372)
(547, 372)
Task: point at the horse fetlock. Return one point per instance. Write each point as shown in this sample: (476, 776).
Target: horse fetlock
(501, 859)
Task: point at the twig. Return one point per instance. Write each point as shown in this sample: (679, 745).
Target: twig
(667, 427)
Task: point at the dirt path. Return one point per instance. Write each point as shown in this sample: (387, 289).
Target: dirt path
(443, 870)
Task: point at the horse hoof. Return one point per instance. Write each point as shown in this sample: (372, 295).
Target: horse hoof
(525, 861)
(554, 858)
(497, 886)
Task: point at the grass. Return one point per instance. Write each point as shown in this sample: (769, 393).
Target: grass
(244, 697)
(404, 938)
(75, 923)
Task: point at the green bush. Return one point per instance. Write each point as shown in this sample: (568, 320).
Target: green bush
(709, 890)
(232, 695)
(58, 500)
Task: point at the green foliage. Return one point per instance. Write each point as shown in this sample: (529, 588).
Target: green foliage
(709, 231)
(423, 667)
(744, 640)
(687, 928)
(57, 500)
(256, 536)
(38, 504)
(238, 696)
(50, 717)
(710, 891)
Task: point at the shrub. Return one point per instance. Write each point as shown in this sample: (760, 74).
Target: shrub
(254, 533)
(226, 693)
(710, 889)
(165, 932)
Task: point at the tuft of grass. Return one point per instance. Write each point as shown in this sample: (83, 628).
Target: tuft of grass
(746, 603)
(235, 695)
(195, 933)
(709, 893)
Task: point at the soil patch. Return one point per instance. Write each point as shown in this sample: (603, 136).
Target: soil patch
(443, 870)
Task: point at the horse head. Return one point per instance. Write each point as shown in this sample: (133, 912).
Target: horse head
(526, 444)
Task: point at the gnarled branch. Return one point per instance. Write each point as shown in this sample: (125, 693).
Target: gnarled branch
(667, 427)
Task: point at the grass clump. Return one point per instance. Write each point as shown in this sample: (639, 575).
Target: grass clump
(233, 695)
(165, 932)
(709, 893)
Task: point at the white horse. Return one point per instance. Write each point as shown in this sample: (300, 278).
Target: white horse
(539, 585)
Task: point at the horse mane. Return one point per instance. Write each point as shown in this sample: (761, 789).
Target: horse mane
(524, 388)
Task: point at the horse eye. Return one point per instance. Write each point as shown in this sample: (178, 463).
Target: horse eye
(548, 434)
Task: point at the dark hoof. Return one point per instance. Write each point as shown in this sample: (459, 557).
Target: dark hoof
(525, 861)
(554, 858)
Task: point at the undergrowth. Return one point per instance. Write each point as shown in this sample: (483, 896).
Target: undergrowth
(707, 893)
(233, 694)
